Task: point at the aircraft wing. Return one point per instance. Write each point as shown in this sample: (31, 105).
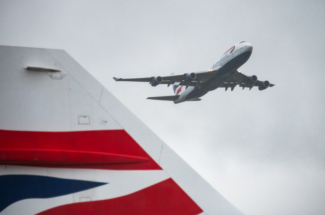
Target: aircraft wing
(187, 79)
(245, 81)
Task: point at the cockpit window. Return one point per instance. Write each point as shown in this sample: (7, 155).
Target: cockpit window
(242, 41)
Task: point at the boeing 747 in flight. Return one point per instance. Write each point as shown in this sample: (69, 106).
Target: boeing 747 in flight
(224, 73)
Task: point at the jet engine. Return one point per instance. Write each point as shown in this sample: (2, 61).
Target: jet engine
(155, 81)
(264, 85)
(189, 77)
(252, 79)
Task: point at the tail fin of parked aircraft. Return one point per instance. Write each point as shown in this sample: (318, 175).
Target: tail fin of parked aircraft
(68, 146)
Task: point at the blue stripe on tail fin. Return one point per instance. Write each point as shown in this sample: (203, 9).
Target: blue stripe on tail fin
(14, 188)
(175, 86)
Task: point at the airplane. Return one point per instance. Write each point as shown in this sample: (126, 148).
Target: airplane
(223, 74)
(69, 147)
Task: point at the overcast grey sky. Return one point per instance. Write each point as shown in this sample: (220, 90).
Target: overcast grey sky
(263, 150)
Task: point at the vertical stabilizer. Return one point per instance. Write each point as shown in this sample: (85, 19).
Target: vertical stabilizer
(177, 88)
(68, 146)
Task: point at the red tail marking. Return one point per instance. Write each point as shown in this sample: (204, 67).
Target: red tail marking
(162, 198)
(106, 149)
(179, 90)
(64, 157)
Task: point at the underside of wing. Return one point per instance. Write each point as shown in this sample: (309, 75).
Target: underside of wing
(245, 82)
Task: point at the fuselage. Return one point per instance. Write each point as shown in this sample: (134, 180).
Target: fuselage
(229, 62)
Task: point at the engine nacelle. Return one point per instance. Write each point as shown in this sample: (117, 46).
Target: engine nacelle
(252, 79)
(264, 85)
(155, 81)
(189, 77)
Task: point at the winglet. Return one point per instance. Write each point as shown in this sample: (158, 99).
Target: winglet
(116, 79)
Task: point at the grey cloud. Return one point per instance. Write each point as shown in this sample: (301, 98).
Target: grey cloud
(264, 151)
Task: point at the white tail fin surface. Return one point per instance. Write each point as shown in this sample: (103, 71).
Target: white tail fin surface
(69, 147)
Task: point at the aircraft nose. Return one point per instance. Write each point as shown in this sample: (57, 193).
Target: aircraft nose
(249, 47)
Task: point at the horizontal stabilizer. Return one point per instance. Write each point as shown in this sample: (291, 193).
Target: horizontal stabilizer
(165, 98)
(197, 99)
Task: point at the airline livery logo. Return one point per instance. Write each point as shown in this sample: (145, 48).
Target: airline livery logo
(114, 184)
(177, 89)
